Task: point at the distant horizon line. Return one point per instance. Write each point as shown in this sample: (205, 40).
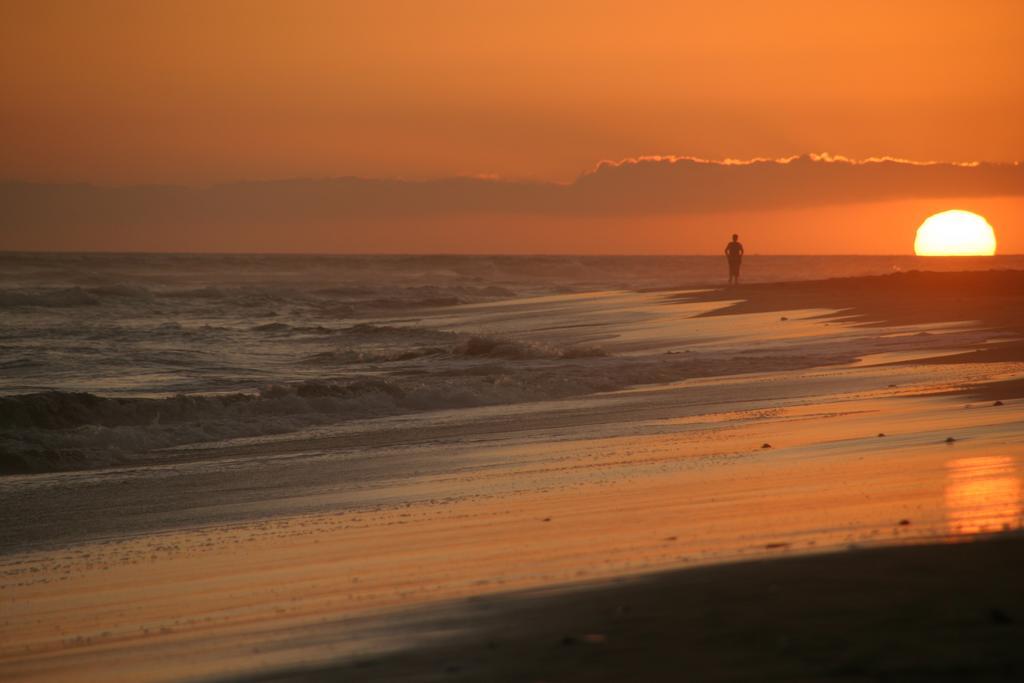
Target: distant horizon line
(8, 252)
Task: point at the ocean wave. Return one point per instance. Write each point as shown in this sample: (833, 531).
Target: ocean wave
(272, 327)
(70, 297)
(61, 430)
(391, 303)
(356, 356)
(285, 328)
(338, 302)
(197, 293)
(56, 298)
(18, 362)
(57, 430)
(122, 291)
(392, 344)
(486, 346)
(395, 335)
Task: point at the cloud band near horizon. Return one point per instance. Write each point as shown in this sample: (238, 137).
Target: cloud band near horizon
(641, 186)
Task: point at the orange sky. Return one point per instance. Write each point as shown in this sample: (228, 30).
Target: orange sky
(197, 92)
(187, 91)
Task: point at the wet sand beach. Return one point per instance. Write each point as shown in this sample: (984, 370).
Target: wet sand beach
(790, 488)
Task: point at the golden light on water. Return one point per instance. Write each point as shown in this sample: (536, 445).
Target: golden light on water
(955, 233)
(983, 495)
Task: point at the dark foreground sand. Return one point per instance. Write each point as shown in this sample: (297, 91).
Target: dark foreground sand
(949, 612)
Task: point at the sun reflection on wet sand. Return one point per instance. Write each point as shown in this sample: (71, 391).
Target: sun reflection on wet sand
(983, 495)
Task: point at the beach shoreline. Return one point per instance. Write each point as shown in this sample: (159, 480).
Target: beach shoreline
(339, 545)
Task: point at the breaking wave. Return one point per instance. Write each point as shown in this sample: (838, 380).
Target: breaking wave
(485, 346)
(58, 430)
(56, 298)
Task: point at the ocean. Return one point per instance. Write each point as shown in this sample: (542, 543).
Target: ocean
(107, 356)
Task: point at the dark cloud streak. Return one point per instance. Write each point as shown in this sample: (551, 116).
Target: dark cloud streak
(632, 187)
(686, 185)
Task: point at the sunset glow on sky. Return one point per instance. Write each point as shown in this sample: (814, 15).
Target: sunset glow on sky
(192, 93)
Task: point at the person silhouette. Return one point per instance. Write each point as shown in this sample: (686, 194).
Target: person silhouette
(734, 254)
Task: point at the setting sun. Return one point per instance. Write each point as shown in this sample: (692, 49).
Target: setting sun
(955, 233)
